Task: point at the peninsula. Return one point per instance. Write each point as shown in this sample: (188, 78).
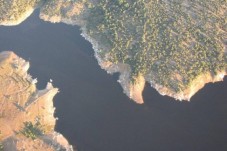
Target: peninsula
(175, 45)
(26, 114)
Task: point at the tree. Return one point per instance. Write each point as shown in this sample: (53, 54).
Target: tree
(31, 130)
(1, 147)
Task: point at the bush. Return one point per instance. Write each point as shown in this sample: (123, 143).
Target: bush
(31, 130)
(1, 147)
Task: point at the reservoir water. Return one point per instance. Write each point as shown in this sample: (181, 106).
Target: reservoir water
(93, 112)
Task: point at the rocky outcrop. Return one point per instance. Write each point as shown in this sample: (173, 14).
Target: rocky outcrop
(21, 102)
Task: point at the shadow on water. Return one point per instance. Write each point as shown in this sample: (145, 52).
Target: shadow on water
(93, 112)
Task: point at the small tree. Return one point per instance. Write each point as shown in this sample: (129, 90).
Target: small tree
(31, 130)
(1, 147)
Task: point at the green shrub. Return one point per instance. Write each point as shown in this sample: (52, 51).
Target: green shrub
(31, 130)
(1, 147)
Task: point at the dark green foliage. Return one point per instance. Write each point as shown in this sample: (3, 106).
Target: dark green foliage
(11, 10)
(31, 130)
(1, 147)
(162, 38)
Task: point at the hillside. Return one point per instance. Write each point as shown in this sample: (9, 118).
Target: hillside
(26, 114)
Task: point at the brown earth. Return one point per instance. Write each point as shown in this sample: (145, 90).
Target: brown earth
(20, 102)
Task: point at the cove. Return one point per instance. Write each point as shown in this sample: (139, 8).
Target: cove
(95, 115)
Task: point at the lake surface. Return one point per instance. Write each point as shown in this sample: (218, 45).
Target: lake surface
(93, 112)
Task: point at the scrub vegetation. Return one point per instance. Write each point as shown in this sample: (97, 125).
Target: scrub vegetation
(1, 146)
(31, 130)
(171, 42)
(12, 10)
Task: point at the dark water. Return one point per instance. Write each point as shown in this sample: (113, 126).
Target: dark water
(95, 115)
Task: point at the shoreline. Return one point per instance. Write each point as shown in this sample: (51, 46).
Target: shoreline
(20, 20)
(133, 91)
(194, 87)
(22, 102)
